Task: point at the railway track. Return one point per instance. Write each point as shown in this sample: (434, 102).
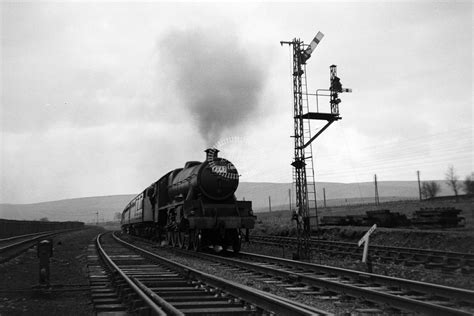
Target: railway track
(143, 281)
(431, 259)
(9, 240)
(13, 246)
(391, 295)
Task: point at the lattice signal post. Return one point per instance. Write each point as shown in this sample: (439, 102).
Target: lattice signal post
(303, 157)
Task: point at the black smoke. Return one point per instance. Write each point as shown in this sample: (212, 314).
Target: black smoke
(216, 76)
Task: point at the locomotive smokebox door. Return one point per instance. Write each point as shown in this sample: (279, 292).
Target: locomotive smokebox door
(45, 251)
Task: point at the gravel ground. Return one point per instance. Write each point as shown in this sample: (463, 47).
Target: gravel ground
(69, 294)
(445, 240)
(68, 269)
(338, 307)
(418, 273)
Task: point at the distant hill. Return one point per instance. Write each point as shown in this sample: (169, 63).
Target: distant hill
(81, 209)
(84, 209)
(336, 193)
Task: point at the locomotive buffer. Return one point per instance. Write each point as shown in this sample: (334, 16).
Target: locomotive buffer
(303, 168)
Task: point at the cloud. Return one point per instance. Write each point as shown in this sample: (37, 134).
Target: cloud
(91, 105)
(67, 162)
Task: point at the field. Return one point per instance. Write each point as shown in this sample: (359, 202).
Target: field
(453, 239)
(104, 208)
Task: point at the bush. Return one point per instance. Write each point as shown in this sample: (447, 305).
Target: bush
(429, 189)
(469, 184)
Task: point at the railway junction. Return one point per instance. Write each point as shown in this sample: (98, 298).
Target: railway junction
(105, 272)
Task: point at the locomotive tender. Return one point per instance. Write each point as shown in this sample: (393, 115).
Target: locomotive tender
(192, 207)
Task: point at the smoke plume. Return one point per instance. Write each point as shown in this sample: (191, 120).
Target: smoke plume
(216, 77)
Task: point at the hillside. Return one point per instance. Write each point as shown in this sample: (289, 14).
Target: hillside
(81, 209)
(336, 193)
(85, 209)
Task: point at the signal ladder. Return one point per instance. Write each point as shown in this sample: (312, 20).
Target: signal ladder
(308, 154)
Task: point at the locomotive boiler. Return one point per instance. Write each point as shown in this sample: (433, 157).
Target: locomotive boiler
(192, 207)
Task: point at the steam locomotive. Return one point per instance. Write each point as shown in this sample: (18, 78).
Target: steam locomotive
(192, 207)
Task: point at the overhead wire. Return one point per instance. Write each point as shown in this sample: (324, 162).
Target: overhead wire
(401, 146)
(355, 173)
(431, 149)
(400, 154)
(415, 141)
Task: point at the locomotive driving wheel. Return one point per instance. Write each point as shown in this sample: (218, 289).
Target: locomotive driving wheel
(184, 240)
(172, 238)
(196, 236)
(184, 235)
(175, 239)
(180, 239)
(169, 238)
(236, 241)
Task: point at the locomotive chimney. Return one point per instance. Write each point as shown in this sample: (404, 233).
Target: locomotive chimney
(211, 154)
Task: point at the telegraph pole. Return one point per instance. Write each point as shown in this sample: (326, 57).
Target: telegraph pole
(289, 198)
(324, 195)
(377, 201)
(419, 185)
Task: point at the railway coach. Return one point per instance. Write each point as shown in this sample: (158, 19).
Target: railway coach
(192, 207)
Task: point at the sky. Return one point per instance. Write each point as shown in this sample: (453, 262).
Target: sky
(103, 98)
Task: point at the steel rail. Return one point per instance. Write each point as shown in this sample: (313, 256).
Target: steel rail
(35, 238)
(372, 294)
(467, 295)
(254, 296)
(352, 249)
(155, 307)
(13, 250)
(434, 289)
(7, 239)
(17, 244)
(373, 246)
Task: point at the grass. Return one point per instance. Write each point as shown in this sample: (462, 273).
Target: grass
(279, 222)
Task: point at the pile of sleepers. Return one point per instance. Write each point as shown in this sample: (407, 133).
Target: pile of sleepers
(440, 216)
